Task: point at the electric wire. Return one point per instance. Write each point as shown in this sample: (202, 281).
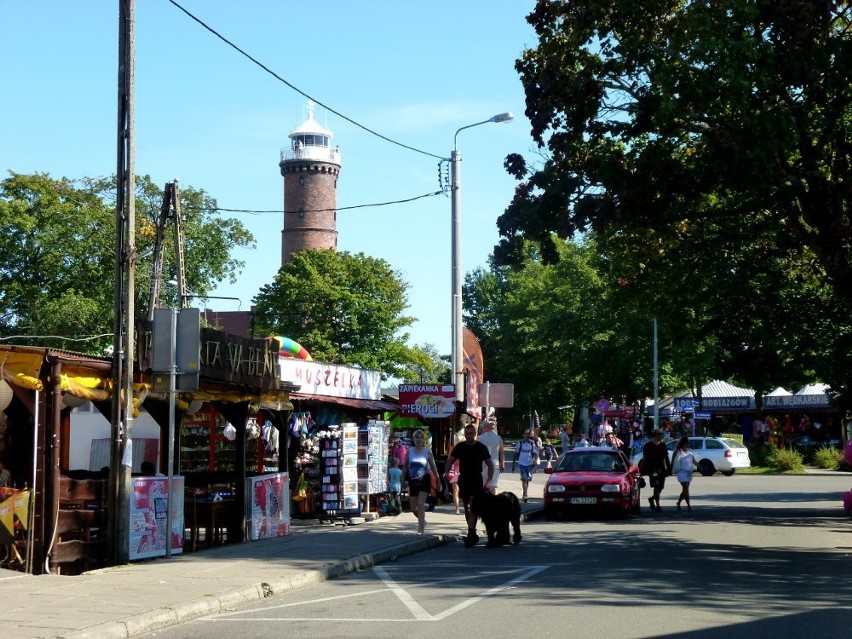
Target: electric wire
(340, 208)
(299, 91)
(62, 337)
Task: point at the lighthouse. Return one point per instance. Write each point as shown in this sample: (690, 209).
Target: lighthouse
(310, 166)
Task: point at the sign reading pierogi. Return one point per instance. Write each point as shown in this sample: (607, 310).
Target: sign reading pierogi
(432, 401)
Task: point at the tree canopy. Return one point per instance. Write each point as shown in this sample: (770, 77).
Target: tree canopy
(707, 147)
(342, 308)
(57, 239)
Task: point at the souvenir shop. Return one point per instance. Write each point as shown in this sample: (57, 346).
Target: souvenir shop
(338, 436)
(226, 483)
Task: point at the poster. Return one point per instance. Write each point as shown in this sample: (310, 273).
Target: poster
(148, 509)
(349, 487)
(269, 506)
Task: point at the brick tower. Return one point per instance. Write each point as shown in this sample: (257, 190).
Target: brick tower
(310, 167)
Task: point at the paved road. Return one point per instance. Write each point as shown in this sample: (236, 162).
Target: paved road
(760, 556)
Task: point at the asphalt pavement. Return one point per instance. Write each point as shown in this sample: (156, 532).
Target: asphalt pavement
(124, 601)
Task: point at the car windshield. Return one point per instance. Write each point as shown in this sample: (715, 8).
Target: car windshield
(591, 461)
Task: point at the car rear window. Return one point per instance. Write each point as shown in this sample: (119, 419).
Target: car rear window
(733, 443)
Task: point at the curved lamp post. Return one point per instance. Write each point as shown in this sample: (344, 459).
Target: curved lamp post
(457, 356)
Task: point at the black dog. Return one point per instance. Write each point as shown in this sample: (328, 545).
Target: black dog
(497, 512)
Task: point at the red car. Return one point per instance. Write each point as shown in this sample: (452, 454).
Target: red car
(589, 478)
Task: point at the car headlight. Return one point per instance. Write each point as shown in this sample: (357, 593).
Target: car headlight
(556, 488)
(610, 488)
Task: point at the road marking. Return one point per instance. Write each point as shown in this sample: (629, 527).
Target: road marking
(421, 614)
(414, 608)
(418, 612)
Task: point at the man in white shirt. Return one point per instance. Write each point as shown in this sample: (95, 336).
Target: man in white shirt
(494, 443)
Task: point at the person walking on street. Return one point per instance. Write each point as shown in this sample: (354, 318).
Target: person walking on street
(683, 464)
(565, 438)
(420, 463)
(471, 455)
(494, 443)
(394, 486)
(539, 450)
(525, 455)
(453, 481)
(658, 467)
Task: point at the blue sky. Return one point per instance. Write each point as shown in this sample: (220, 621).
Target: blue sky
(414, 71)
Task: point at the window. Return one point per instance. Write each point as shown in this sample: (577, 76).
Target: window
(301, 212)
(713, 444)
(301, 180)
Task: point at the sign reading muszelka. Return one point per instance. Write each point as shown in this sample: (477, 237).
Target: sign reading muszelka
(331, 380)
(432, 401)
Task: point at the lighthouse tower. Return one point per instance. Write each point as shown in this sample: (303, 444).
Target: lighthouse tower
(310, 167)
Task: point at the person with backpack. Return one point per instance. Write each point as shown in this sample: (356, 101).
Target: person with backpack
(525, 455)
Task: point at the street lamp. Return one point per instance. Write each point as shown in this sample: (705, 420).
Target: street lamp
(457, 356)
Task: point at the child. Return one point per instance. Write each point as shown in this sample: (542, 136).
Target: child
(394, 486)
(847, 502)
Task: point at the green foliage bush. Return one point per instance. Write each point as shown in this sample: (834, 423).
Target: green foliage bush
(828, 457)
(761, 455)
(786, 459)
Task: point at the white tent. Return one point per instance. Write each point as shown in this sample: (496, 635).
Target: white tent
(813, 389)
(779, 392)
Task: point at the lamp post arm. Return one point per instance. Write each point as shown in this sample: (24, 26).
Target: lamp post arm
(469, 126)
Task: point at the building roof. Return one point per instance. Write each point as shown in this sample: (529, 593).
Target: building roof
(310, 126)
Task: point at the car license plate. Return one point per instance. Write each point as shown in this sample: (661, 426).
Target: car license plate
(583, 500)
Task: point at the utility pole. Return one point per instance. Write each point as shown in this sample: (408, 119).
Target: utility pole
(121, 453)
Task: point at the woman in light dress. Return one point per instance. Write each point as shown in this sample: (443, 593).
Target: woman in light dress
(683, 465)
(420, 464)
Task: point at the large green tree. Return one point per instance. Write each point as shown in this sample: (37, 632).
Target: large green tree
(677, 123)
(557, 332)
(57, 242)
(343, 308)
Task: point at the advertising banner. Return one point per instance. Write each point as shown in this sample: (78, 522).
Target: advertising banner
(269, 506)
(148, 509)
(432, 401)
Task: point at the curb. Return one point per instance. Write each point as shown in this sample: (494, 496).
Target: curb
(160, 618)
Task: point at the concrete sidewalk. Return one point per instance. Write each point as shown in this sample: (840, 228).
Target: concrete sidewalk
(142, 597)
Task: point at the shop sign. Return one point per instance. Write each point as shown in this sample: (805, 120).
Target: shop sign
(331, 380)
(222, 357)
(687, 404)
(797, 401)
(727, 403)
(432, 401)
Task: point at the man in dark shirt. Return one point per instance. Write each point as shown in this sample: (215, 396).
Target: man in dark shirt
(655, 456)
(471, 455)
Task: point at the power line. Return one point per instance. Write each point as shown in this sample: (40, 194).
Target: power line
(62, 337)
(299, 91)
(340, 208)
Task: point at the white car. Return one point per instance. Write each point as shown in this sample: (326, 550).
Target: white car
(712, 454)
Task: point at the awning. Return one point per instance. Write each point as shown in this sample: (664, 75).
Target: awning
(364, 404)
